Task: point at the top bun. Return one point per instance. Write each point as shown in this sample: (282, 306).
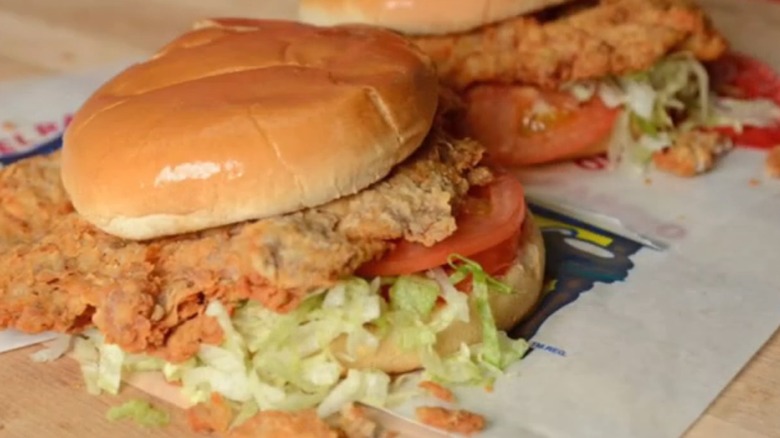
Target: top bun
(246, 119)
(418, 17)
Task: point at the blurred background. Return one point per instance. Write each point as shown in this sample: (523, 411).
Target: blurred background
(47, 36)
(42, 37)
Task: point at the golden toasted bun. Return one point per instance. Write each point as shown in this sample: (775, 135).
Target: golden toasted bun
(419, 17)
(245, 119)
(526, 278)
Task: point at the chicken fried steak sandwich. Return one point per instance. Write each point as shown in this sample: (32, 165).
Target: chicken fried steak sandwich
(269, 211)
(549, 80)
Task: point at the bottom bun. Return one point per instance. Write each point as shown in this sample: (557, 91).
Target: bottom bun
(525, 277)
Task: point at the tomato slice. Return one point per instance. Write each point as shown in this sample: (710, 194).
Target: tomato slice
(743, 77)
(521, 125)
(485, 231)
(759, 138)
(498, 259)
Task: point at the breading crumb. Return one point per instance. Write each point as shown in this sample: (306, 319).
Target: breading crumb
(438, 391)
(693, 153)
(457, 421)
(354, 423)
(273, 424)
(772, 163)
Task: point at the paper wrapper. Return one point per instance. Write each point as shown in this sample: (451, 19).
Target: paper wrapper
(628, 341)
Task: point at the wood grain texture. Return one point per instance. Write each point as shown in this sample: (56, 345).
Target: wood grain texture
(42, 37)
(57, 389)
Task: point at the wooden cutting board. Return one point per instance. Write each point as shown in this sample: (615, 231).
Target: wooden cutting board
(48, 36)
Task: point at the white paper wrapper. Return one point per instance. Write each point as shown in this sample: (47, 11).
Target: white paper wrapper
(633, 342)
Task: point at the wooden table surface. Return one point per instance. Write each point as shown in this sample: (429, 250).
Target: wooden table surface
(41, 37)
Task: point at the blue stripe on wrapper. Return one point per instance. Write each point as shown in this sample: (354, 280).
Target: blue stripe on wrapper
(45, 148)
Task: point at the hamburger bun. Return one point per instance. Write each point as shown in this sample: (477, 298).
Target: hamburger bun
(418, 17)
(283, 116)
(525, 277)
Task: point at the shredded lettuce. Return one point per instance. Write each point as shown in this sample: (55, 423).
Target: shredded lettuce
(140, 411)
(370, 387)
(740, 113)
(101, 363)
(672, 97)
(470, 366)
(414, 294)
(55, 350)
(286, 361)
(582, 91)
(110, 370)
(86, 353)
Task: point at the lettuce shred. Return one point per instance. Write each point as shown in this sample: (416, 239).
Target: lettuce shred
(672, 97)
(286, 361)
(140, 411)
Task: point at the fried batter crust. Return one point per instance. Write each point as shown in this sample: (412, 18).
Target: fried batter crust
(60, 273)
(615, 37)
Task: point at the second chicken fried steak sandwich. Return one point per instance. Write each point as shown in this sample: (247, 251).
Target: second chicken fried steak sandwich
(269, 211)
(551, 80)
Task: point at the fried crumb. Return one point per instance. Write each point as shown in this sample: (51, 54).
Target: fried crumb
(214, 416)
(693, 153)
(489, 388)
(438, 391)
(772, 163)
(648, 181)
(274, 424)
(451, 420)
(354, 423)
(754, 182)
(8, 126)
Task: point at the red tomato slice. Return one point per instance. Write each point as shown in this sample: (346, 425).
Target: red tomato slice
(498, 259)
(743, 77)
(522, 125)
(760, 138)
(485, 231)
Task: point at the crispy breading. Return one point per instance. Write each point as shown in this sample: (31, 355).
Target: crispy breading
(29, 201)
(63, 274)
(216, 416)
(273, 424)
(615, 37)
(772, 163)
(692, 153)
(451, 420)
(438, 391)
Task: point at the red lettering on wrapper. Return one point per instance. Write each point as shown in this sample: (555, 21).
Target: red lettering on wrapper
(46, 129)
(20, 140)
(5, 148)
(66, 121)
